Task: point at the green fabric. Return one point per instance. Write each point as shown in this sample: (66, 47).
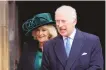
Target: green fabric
(38, 60)
(36, 21)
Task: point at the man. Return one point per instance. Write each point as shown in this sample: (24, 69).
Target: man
(72, 49)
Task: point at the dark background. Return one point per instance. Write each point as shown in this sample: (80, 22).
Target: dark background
(91, 15)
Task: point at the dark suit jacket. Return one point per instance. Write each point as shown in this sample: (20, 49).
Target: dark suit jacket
(86, 53)
(26, 61)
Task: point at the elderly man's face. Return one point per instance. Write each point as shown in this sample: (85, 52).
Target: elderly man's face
(65, 24)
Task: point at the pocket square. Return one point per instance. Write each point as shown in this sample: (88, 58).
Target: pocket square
(84, 53)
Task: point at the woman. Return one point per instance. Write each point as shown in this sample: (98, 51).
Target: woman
(42, 29)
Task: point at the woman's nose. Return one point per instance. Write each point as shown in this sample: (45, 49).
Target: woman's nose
(40, 32)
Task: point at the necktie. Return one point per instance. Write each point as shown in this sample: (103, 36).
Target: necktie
(68, 46)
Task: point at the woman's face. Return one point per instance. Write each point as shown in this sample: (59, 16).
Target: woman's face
(41, 34)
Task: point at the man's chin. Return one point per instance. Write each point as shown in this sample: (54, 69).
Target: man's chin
(63, 34)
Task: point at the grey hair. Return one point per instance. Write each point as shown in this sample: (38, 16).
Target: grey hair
(67, 10)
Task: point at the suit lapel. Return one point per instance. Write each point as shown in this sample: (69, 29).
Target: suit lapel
(60, 50)
(75, 50)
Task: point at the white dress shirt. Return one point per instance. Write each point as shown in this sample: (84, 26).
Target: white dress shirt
(71, 38)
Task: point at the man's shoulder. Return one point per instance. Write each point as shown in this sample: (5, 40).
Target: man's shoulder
(90, 35)
(31, 45)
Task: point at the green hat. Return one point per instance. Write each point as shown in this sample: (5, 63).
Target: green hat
(37, 21)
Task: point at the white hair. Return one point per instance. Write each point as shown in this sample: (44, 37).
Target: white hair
(67, 10)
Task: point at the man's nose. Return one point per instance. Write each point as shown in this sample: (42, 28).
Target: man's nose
(60, 24)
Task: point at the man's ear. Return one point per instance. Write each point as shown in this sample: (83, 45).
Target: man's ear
(75, 22)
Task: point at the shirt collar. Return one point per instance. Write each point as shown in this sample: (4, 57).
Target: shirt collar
(72, 35)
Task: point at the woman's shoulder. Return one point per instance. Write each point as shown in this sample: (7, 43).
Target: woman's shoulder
(30, 45)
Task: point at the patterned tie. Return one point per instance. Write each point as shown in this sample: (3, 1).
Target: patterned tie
(68, 46)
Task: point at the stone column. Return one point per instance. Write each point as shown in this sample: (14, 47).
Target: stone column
(4, 44)
(13, 35)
